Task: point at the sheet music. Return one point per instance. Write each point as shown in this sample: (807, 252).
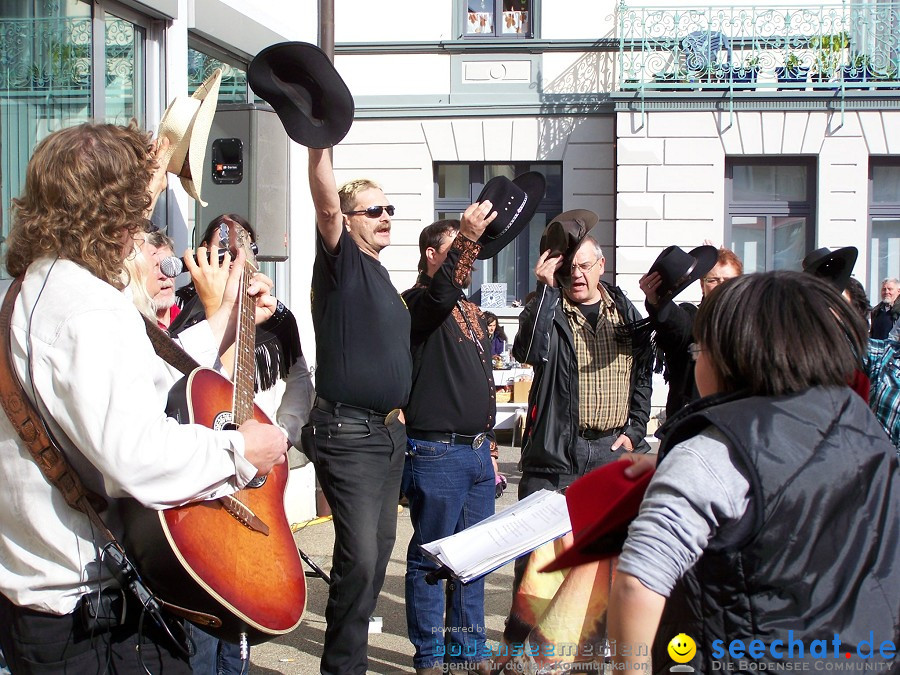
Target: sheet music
(506, 535)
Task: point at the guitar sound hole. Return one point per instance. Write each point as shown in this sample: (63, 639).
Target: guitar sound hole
(257, 482)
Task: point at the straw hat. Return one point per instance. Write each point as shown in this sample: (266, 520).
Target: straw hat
(186, 123)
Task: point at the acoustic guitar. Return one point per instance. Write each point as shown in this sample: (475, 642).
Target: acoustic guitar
(233, 557)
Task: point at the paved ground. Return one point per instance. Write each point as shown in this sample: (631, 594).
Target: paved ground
(389, 651)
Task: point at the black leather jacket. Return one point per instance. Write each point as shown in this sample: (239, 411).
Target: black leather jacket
(545, 341)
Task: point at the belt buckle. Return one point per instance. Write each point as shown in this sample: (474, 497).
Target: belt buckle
(478, 440)
(392, 417)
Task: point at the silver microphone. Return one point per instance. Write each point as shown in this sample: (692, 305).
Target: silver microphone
(173, 266)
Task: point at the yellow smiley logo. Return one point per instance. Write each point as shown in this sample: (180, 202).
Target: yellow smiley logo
(682, 648)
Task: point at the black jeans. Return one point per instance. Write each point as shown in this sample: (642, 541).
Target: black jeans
(40, 643)
(359, 464)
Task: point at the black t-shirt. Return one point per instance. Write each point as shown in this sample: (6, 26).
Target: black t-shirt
(362, 330)
(591, 312)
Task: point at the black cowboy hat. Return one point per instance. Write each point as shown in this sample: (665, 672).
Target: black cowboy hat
(515, 202)
(835, 266)
(564, 235)
(679, 269)
(299, 81)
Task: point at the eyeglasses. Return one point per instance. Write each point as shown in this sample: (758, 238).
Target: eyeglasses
(372, 211)
(694, 350)
(712, 281)
(584, 268)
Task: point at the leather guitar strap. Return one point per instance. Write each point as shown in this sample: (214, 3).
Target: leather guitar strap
(51, 460)
(168, 350)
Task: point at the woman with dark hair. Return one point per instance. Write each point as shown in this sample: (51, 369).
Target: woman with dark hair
(773, 514)
(498, 335)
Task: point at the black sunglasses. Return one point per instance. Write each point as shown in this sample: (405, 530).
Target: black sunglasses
(372, 211)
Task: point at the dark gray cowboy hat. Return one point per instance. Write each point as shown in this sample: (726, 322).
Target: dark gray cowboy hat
(515, 202)
(835, 266)
(564, 235)
(679, 270)
(299, 81)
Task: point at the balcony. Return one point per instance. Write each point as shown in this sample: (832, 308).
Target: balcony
(758, 48)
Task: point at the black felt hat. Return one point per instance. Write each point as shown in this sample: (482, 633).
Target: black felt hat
(299, 81)
(679, 270)
(564, 235)
(515, 202)
(835, 266)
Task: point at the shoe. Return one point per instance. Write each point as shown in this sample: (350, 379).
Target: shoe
(500, 484)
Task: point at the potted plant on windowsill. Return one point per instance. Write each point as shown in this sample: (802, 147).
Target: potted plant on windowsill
(830, 50)
(859, 70)
(793, 71)
(744, 75)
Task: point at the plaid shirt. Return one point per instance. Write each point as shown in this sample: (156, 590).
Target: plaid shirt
(604, 366)
(883, 369)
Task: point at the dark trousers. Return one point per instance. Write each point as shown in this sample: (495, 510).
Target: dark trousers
(359, 464)
(40, 643)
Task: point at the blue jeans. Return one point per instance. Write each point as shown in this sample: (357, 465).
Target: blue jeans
(449, 488)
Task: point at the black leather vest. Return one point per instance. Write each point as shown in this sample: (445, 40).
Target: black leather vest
(817, 551)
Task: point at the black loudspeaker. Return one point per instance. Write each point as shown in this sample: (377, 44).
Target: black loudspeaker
(247, 173)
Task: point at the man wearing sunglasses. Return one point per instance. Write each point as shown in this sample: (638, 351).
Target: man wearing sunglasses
(356, 435)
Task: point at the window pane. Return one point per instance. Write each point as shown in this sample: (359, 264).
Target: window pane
(790, 243)
(480, 18)
(553, 174)
(124, 71)
(515, 17)
(494, 170)
(886, 185)
(748, 241)
(45, 85)
(885, 253)
(761, 183)
(453, 181)
(535, 229)
(234, 80)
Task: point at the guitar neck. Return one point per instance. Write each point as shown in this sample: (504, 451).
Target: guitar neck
(244, 354)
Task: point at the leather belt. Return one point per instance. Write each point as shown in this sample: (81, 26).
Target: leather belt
(351, 411)
(594, 434)
(441, 437)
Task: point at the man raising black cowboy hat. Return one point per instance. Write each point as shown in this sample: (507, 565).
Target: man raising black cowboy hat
(449, 474)
(671, 273)
(356, 436)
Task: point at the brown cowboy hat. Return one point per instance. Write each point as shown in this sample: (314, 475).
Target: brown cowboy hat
(186, 123)
(564, 235)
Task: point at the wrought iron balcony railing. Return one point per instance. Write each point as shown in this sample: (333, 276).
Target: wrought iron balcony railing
(805, 47)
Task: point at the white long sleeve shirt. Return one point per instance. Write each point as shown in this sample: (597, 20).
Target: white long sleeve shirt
(102, 390)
